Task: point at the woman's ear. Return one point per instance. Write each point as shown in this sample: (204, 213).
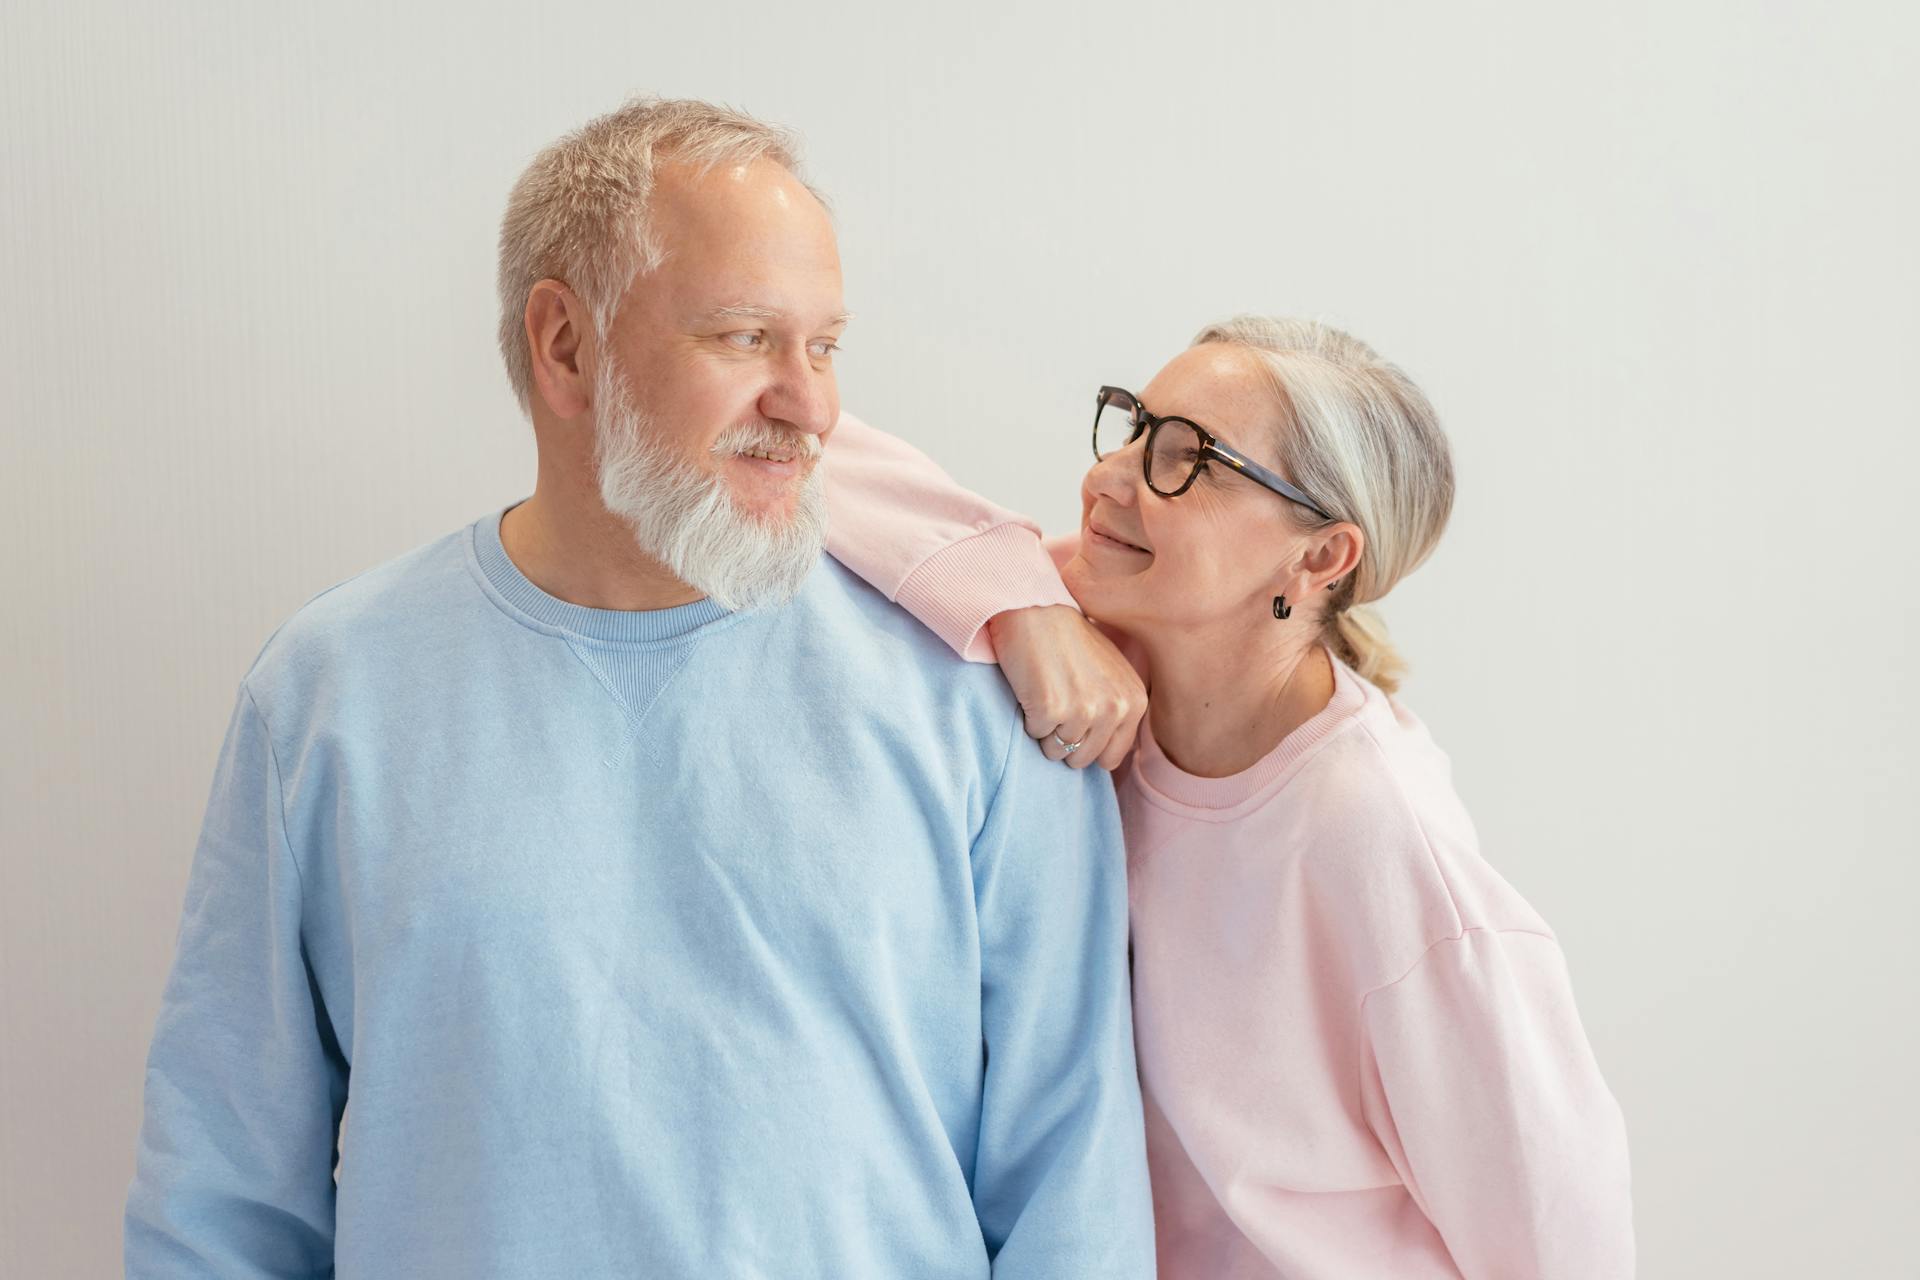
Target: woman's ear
(556, 326)
(1330, 556)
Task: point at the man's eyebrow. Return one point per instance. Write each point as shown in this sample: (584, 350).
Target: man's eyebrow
(746, 311)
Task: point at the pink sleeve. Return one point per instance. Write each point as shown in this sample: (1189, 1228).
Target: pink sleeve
(947, 556)
(1481, 1086)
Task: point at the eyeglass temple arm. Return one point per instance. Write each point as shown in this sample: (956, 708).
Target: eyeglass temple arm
(1254, 470)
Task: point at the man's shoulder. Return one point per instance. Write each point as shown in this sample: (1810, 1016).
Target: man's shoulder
(883, 670)
(382, 609)
(882, 638)
(865, 660)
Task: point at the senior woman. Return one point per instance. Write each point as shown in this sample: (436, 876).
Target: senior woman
(1357, 1043)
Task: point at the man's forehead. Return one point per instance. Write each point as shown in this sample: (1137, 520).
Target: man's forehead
(726, 202)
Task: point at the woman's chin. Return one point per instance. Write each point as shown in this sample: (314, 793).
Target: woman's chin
(1095, 588)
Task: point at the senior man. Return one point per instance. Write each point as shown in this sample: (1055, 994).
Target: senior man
(662, 900)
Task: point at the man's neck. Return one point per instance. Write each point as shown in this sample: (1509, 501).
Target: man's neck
(1220, 703)
(569, 545)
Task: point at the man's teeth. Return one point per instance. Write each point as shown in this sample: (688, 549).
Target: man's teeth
(767, 456)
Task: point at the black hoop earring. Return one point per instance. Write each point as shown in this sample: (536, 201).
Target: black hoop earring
(1281, 609)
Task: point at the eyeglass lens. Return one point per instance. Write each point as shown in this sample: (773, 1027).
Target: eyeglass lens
(1175, 454)
(1115, 428)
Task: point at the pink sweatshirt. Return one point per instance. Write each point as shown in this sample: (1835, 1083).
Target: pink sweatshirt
(1358, 1047)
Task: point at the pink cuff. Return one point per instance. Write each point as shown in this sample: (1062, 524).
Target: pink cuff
(957, 589)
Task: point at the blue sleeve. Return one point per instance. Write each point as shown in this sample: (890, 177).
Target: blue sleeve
(1060, 1176)
(245, 1083)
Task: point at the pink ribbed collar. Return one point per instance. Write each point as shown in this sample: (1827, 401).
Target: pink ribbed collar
(1161, 776)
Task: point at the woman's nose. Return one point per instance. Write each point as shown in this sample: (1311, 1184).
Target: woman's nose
(1117, 476)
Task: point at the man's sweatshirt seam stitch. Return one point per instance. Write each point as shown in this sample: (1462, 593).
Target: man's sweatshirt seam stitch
(279, 789)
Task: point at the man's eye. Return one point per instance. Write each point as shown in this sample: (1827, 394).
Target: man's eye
(823, 348)
(746, 339)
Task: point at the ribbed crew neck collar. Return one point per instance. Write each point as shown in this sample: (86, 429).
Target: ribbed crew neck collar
(514, 592)
(1159, 774)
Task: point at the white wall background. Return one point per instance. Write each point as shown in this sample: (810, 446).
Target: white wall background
(1655, 262)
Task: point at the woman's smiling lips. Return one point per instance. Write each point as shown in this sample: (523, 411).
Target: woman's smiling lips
(1101, 538)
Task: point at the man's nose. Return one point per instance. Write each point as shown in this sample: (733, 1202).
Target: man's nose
(800, 395)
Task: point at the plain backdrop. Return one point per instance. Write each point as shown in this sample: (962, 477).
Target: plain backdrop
(1655, 262)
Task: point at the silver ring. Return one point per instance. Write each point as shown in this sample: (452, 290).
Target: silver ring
(1071, 747)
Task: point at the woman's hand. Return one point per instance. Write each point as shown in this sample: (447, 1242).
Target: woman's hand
(1071, 682)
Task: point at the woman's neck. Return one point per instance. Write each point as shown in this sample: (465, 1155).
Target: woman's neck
(1220, 704)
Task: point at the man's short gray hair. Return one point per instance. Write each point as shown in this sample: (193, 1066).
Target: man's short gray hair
(579, 214)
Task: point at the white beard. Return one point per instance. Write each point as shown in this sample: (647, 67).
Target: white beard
(686, 518)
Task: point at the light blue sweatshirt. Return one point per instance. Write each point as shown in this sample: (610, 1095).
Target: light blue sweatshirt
(662, 944)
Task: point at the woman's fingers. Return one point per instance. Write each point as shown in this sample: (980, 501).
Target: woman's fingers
(1110, 739)
(1073, 685)
(1104, 727)
(1072, 744)
(1120, 743)
(1043, 710)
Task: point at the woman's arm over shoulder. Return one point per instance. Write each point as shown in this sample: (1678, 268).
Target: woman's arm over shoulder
(1479, 1081)
(946, 555)
(957, 563)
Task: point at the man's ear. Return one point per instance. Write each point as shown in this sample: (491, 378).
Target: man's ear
(557, 327)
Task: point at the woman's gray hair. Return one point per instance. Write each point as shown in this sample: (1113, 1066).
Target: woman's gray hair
(1365, 443)
(579, 213)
